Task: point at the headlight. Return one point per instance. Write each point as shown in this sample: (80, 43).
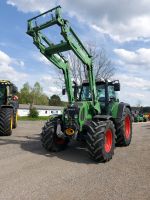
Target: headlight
(76, 116)
(66, 116)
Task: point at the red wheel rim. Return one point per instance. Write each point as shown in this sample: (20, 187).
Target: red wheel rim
(59, 141)
(108, 140)
(127, 127)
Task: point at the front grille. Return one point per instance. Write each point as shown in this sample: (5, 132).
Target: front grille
(82, 114)
(72, 111)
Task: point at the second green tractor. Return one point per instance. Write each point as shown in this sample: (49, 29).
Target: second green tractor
(8, 107)
(94, 114)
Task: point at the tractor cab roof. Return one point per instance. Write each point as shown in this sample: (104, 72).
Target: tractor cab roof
(5, 82)
(101, 82)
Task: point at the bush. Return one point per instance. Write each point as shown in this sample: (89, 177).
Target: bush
(33, 113)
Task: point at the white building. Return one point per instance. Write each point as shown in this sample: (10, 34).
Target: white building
(42, 110)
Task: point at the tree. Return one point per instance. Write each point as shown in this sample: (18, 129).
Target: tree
(25, 94)
(37, 94)
(102, 65)
(55, 101)
(33, 96)
(33, 113)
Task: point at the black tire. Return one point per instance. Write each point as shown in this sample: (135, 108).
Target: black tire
(96, 140)
(49, 139)
(6, 121)
(124, 129)
(145, 120)
(15, 120)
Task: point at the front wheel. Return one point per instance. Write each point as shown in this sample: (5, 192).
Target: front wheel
(145, 119)
(6, 121)
(15, 119)
(49, 138)
(124, 129)
(101, 140)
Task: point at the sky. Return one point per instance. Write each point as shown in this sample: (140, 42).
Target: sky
(121, 27)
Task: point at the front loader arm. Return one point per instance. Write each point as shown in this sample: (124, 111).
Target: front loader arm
(57, 59)
(53, 51)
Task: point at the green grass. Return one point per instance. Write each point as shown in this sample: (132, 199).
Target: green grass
(25, 118)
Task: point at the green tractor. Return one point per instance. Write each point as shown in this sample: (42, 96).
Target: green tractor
(8, 107)
(139, 117)
(94, 114)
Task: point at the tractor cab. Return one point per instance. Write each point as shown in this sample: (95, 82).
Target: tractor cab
(106, 92)
(7, 92)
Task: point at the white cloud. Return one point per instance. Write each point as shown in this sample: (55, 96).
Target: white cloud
(54, 90)
(134, 75)
(134, 63)
(135, 28)
(7, 71)
(139, 57)
(31, 5)
(4, 58)
(18, 63)
(122, 20)
(46, 79)
(51, 85)
(134, 82)
(134, 89)
(42, 59)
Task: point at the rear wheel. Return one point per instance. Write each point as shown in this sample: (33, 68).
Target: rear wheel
(6, 121)
(49, 138)
(124, 129)
(145, 119)
(101, 140)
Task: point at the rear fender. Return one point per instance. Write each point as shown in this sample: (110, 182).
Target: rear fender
(7, 106)
(121, 108)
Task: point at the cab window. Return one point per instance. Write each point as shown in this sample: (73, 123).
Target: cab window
(2, 94)
(101, 92)
(86, 93)
(111, 92)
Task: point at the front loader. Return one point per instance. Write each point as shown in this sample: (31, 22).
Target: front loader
(8, 107)
(96, 116)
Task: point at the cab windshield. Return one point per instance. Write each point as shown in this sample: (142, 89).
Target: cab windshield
(86, 93)
(2, 94)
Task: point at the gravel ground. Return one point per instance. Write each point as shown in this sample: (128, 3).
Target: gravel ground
(28, 172)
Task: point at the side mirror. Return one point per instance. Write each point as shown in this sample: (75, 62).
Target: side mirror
(117, 87)
(63, 91)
